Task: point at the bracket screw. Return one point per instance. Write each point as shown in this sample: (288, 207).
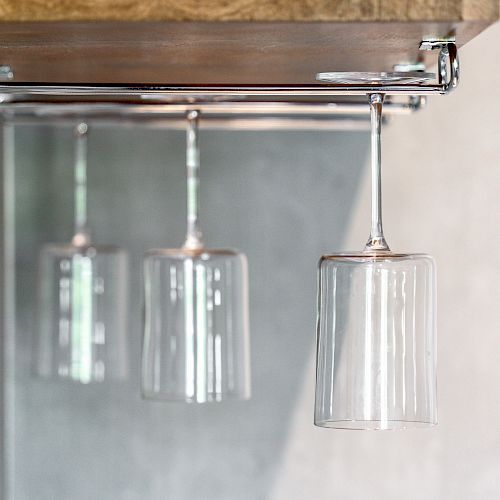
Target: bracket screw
(6, 72)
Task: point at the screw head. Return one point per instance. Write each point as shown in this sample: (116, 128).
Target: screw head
(6, 72)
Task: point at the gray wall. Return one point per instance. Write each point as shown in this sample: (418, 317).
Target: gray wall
(441, 196)
(284, 199)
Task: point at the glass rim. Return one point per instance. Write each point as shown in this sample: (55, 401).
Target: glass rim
(375, 425)
(192, 252)
(374, 256)
(87, 250)
(170, 398)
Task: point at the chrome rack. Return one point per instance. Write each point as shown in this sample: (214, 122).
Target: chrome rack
(318, 106)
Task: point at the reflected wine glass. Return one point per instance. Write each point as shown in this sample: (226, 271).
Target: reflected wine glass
(376, 328)
(82, 298)
(196, 342)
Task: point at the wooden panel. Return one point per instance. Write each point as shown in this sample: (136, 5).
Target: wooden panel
(248, 10)
(213, 53)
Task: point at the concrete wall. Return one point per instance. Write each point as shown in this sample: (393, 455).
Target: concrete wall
(283, 198)
(441, 196)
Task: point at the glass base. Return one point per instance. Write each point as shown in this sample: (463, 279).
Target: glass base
(373, 78)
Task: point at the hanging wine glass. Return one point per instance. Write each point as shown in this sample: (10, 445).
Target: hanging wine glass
(376, 344)
(196, 344)
(82, 299)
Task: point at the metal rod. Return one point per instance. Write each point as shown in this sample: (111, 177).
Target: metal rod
(7, 309)
(223, 124)
(210, 109)
(252, 93)
(342, 115)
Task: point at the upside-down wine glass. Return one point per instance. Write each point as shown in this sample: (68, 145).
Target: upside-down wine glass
(376, 328)
(82, 298)
(196, 343)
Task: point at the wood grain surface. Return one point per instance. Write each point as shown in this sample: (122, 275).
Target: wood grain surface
(249, 10)
(192, 53)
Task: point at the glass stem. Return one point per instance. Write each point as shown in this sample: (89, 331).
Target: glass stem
(376, 241)
(82, 236)
(193, 234)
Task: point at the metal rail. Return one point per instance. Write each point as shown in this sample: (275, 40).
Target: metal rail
(36, 93)
(318, 106)
(346, 115)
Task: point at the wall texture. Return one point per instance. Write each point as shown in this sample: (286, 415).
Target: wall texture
(283, 198)
(441, 196)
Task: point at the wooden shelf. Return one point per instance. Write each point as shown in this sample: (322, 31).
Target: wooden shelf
(249, 10)
(246, 42)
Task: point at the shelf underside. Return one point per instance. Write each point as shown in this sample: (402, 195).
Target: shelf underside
(251, 75)
(215, 53)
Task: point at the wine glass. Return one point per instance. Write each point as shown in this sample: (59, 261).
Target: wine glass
(82, 298)
(376, 328)
(196, 343)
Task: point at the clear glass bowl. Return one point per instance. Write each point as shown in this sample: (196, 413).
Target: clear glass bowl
(376, 365)
(196, 341)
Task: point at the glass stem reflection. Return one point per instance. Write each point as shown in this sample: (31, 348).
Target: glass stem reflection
(193, 235)
(82, 236)
(376, 241)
